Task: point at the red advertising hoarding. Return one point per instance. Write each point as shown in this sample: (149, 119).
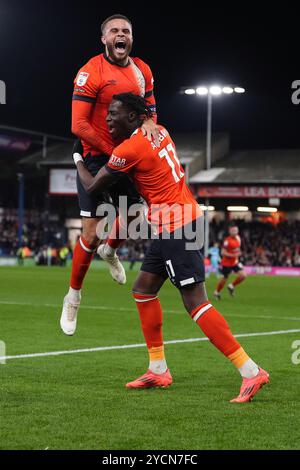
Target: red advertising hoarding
(259, 192)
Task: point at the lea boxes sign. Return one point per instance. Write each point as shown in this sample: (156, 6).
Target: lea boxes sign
(62, 182)
(282, 192)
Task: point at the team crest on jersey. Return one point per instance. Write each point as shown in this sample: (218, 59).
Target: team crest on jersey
(82, 78)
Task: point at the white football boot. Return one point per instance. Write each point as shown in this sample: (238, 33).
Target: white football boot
(68, 319)
(115, 267)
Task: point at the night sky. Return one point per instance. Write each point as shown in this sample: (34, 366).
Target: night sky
(42, 45)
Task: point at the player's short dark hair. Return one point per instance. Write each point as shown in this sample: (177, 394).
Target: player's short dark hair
(135, 103)
(117, 16)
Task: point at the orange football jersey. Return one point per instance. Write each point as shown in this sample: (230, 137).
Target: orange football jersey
(232, 245)
(159, 178)
(100, 79)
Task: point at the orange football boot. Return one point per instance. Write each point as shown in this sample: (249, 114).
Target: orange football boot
(150, 380)
(251, 386)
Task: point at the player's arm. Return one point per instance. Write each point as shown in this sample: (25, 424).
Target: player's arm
(81, 127)
(123, 160)
(93, 184)
(86, 87)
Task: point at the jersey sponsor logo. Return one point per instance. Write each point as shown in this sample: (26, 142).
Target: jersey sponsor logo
(117, 161)
(82, 78)
(79, 90)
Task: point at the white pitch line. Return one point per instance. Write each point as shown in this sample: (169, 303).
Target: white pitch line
(126, 309)
(131, 346)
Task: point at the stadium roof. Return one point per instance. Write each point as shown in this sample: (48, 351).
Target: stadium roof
(254, 166)
(275, 166)
(190, 147)
(57, 155)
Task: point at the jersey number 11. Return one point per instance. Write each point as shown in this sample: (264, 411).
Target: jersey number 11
(169, 153)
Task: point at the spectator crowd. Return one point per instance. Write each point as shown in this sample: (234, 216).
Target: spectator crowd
(263, 244)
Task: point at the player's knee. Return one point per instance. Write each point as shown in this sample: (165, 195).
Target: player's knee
(139, 289)
(91, 237)
(193, 296)
(89, 231)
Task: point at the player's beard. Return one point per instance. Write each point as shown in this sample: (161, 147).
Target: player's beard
(119, 58)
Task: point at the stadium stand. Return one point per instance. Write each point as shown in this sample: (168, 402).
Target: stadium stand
(249, 177)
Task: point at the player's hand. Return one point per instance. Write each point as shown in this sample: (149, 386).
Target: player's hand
(151, 131)
(77, 152)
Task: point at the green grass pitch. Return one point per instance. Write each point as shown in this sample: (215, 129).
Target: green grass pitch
(78, 401)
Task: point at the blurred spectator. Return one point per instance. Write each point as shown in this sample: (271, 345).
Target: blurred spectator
(63, 255)
(265, 244)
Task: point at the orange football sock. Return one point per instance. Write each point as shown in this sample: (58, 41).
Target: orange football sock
(238, 280)
(151, 317)
(216, 328)
(82, 257)
(238, 358)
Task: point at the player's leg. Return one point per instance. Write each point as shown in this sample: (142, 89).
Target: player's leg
(145, 290)
(82, 257)
(124, 196)
(85, 247)
(84, 252)
(215, 266)
(187, 272)
(215, 327)
(222, 281)
(108, 252)
(240, 278)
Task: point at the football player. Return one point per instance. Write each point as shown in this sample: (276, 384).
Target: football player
(160, 179)
(113, 71)
(231, 251)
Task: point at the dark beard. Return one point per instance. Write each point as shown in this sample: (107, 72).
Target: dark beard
(112, 54)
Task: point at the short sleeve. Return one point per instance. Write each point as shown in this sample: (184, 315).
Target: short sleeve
(123, 159)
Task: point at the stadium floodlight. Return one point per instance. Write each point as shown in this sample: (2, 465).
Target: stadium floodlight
(202, 90)
(237, 208)
(267, 209)
(207, 208)
(210, 91)
(227, 90)
(190, 91)
(239, 89)
(215, 90)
